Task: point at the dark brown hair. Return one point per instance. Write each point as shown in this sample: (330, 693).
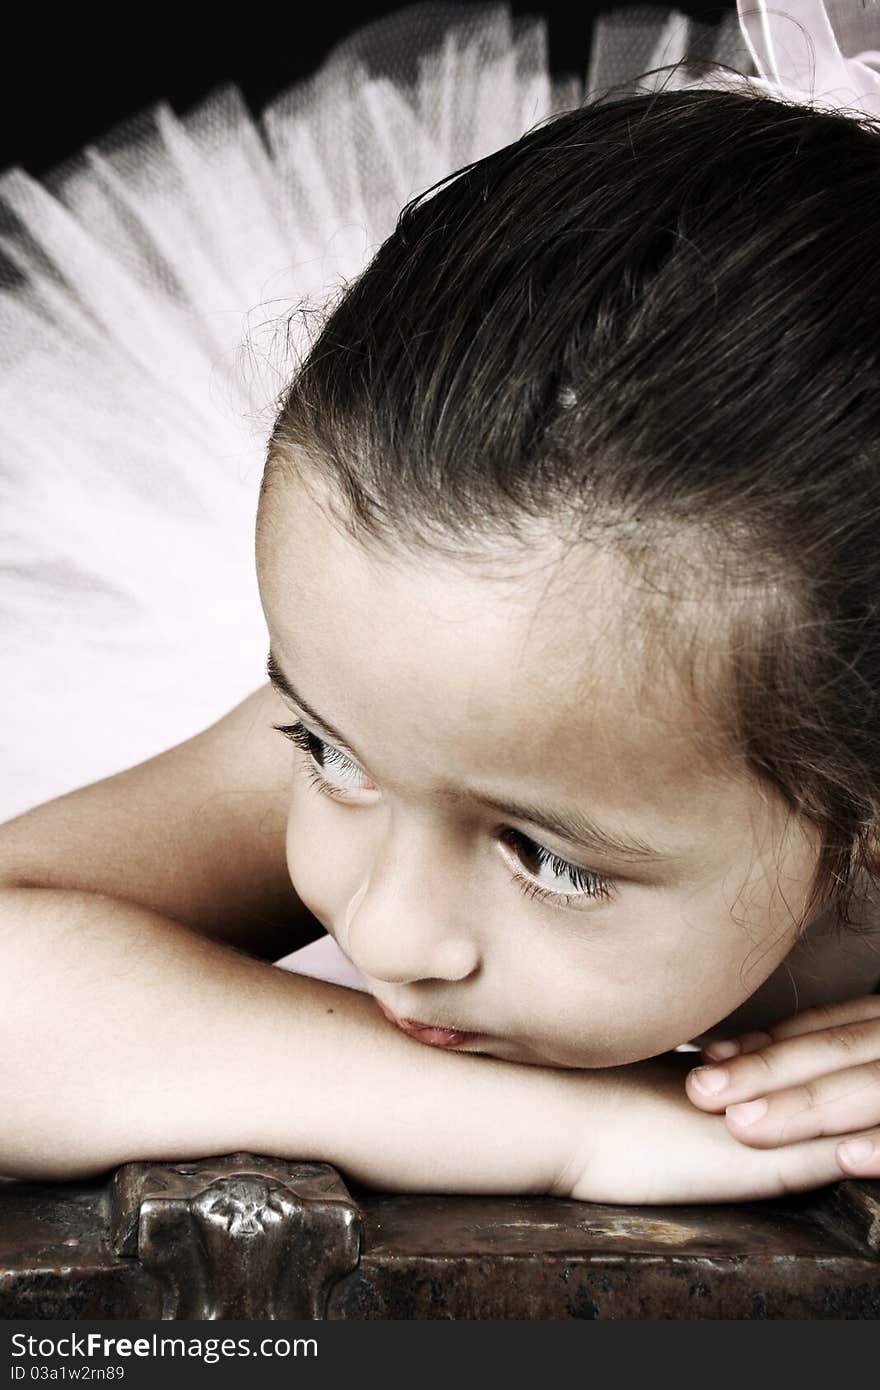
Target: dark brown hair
(654, 319)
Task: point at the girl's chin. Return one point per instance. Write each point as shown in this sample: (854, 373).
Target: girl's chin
(535, 1057)
(502, 1051)
(514, 1052)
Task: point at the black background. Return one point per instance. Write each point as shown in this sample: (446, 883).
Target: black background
(70, 71)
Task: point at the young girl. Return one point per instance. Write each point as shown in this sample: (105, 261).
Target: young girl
(566, 548)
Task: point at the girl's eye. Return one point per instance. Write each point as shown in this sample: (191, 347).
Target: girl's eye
(569, 883)
(324, 756)
(563, 876)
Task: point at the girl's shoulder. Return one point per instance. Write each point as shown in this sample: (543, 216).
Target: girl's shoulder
(197, 833)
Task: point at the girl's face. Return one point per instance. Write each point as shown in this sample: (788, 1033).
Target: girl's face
(482, 750)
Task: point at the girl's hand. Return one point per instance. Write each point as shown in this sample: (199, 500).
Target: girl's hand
(816, 1073)
(637, 1139)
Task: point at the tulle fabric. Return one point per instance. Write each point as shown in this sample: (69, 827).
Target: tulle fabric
(151, 298)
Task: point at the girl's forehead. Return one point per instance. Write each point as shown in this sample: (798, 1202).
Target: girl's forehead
(529, 614)
(530, 661)
(539, 570)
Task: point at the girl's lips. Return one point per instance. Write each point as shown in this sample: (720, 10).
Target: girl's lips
(425, 1033)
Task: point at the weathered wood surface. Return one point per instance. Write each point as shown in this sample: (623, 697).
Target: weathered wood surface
(245, 1236)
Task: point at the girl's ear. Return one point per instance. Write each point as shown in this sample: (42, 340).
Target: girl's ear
(866, 876)
(872, 853)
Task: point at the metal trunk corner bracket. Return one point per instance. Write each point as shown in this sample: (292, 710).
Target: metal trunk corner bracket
(238, 1236)
(248, 1236)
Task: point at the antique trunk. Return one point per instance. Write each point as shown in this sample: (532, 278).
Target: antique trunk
(246, 1236)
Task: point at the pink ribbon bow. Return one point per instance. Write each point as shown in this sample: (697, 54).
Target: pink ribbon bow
(796, 50)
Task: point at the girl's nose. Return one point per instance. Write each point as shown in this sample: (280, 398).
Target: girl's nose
(401, 930)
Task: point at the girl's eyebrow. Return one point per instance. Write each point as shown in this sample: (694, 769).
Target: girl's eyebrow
(571, 825)
(285, 687)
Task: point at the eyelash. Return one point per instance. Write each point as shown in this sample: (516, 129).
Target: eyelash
(588, 883)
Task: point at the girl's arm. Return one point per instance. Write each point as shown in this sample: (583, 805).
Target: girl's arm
(196, 833)
(124, 1035)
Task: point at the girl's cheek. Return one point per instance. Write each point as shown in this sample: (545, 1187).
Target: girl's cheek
(353, 905)
(314, 870)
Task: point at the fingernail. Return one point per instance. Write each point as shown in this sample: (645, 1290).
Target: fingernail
(857, 1150)
(710, 1080)
(720, 1050)
(748, 1112)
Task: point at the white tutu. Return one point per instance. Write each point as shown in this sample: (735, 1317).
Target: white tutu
(146, 294)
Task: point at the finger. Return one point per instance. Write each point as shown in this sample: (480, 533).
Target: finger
(791, 1062)
(811, 1020)
(860, 1155)
(841, 1103)
(721, 1050)
(831, 1015)
(806, 1166)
